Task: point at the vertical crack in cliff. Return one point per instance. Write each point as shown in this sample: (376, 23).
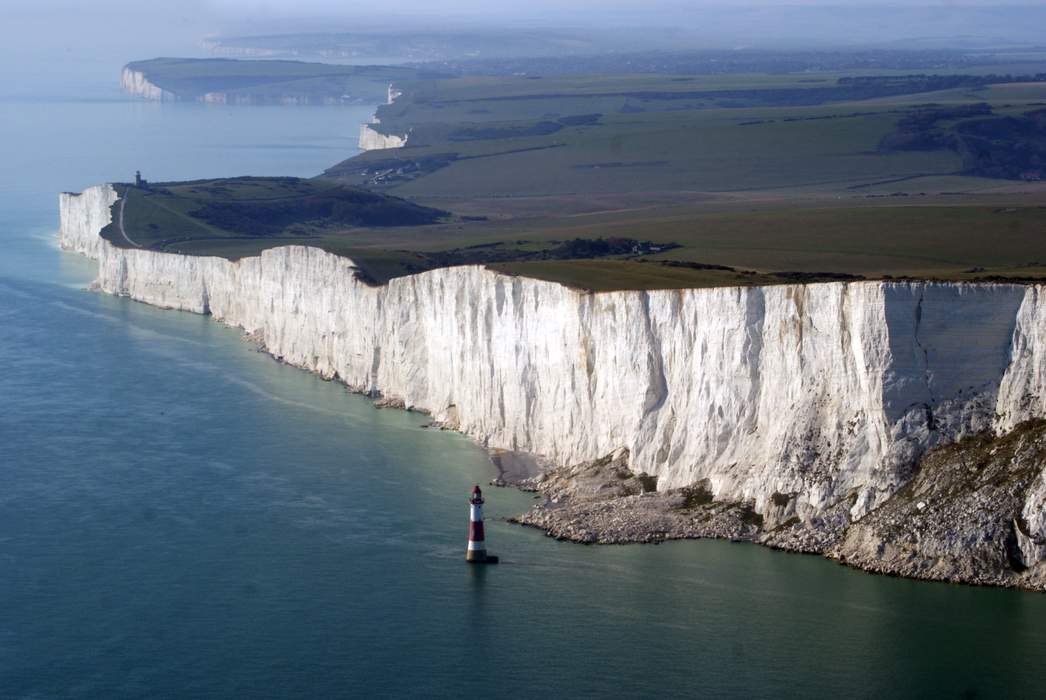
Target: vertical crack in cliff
(375, 364)
(657, 386)
(205, 300)
(375, 360)
(752, 349)
(1018, 354)
(121, 277)
(798, 296)
(926, 373)
(588, 346)
(845, 336)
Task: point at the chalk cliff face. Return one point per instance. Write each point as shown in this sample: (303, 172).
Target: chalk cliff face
(371, 139)
(81, 218)
(1031, 538)
(1022, 394)
(135, 83)
(821, 392)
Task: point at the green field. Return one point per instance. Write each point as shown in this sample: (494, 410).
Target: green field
(779, 178)
(239, 216)
(658, 134)
(765, 244)
(965, 242)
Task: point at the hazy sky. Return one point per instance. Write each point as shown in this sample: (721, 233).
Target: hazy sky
(576, 11)
(128, 29)
(228, 10)
(53, 47)
(488, 6)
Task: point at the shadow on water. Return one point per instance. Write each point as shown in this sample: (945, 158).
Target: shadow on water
(477, 575)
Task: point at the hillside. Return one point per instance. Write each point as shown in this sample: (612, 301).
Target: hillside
(798, 176)
(235, 216)
(649, 181)
(515, 137)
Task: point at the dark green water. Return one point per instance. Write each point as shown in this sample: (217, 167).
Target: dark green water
(181, 516)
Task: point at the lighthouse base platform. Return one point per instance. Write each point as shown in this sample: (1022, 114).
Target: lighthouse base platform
(489, 559)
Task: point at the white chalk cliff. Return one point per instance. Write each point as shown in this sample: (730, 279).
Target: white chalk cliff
(821, 391)
(371, 139)
(135, 83)
(82, 216)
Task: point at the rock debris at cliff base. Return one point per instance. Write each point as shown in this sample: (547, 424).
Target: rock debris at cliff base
(604, 502)
(967, 515)
(970, 514)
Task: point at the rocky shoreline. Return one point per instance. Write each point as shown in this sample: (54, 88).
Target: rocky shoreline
(964, 517)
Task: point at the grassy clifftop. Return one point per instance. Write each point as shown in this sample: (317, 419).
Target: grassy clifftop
(511, 137)
(777, 177)
(656, 181)
(238, 216)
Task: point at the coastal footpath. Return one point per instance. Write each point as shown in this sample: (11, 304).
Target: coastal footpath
(807, 417)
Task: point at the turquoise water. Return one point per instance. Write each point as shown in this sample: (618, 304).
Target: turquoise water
(181, 516)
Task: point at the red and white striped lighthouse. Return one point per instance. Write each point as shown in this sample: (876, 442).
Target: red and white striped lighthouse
(477, 549)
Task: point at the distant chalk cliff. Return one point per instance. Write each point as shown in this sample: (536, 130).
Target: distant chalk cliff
(371, 139)
(225, 81)
(134, 82)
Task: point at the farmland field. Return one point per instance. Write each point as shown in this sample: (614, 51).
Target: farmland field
(710, 180)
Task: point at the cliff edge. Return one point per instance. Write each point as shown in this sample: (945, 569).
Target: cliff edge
(371, 139)
(795, 410)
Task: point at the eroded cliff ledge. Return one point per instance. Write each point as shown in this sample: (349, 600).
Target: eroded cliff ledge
(798, 407)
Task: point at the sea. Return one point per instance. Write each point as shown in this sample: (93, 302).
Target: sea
(183, 517)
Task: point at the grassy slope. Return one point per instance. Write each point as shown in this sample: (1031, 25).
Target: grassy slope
(934, 241)
(671, 144)
(762, 189)
(759, 188)
(872, 240)
(235, 217)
